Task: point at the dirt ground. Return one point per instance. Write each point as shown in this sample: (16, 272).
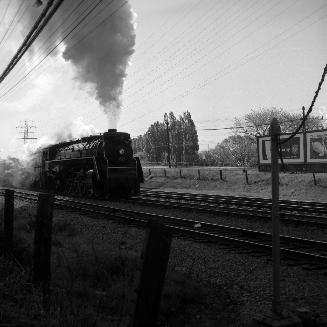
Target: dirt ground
(292, 186)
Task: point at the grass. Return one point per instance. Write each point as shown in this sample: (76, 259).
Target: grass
(93, 283)
(85, 294)
(64, 226)
(87, 299)
(292, 186)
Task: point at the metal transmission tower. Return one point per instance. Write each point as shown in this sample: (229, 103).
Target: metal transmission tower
(26, 127)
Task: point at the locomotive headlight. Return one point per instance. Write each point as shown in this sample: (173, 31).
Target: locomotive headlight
(121, 151)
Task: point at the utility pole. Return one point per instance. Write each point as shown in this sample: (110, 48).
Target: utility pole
(303, 115)
(274, 133)
(304, 139)
(26, 131)
(168, 143)
(279, 316)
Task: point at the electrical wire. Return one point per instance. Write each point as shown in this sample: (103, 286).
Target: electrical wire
(60, 25)
(171, 27)
(55, 47)
(225, 52)
(248, 57)
(39, 25)
(322, 79)
(5, 12)
(172, 44)
(256, 125)
(11, 22)
(19, 19)
(62, 40)
(187, 48)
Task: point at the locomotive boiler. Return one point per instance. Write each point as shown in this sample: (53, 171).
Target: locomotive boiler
(98, 165)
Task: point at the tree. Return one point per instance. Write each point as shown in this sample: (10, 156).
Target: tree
(237, 150)
(174, 137)
(257, 122)
(183, 139)
(154, 142)
(190, 138)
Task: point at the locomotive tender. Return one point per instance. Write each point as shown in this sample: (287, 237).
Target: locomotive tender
(98, 165)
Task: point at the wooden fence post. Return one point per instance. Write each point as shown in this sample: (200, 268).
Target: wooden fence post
(8, 220)
(246, 176)
(199, 175)
(152, 276)
(221, 175)
(42, 244)
(149, 171)
(180, 173)
(314, 178)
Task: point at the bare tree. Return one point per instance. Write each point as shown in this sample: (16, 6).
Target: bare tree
(256, 122)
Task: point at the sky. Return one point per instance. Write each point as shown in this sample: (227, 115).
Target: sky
(216, 59)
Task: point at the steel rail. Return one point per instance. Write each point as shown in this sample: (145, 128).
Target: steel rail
(292, 212)
(247, 208)
(302, 251)
(288, 205)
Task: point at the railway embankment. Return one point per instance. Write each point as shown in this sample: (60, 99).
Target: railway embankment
(298, 186)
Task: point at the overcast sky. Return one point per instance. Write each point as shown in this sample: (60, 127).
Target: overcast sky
(217, 59)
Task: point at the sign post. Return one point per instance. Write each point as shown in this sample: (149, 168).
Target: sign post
(275, 132)
(278, 318)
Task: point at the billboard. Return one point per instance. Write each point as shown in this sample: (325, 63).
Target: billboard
(317, 146)
(304, 152)
(292, 151)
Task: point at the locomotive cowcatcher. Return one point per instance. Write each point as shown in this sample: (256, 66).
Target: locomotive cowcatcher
(97, 165)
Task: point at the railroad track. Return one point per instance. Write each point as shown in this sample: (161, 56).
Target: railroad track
(295, 212)
(296, 251)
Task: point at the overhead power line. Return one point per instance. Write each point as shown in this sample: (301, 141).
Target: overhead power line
(18, 20)
(64, 38)
(50, 37)
(39, 25)
(189, 47)
(250, 56)
(12, 21)
(322, 79)
(187, 72)
(5, 12)
(251, 126)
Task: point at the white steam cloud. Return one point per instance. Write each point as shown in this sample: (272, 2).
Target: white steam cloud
(102, 58)
(69, 131)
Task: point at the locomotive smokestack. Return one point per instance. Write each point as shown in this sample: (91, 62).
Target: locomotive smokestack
(112, 130)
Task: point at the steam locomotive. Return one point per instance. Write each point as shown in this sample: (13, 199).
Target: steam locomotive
(97, 165)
